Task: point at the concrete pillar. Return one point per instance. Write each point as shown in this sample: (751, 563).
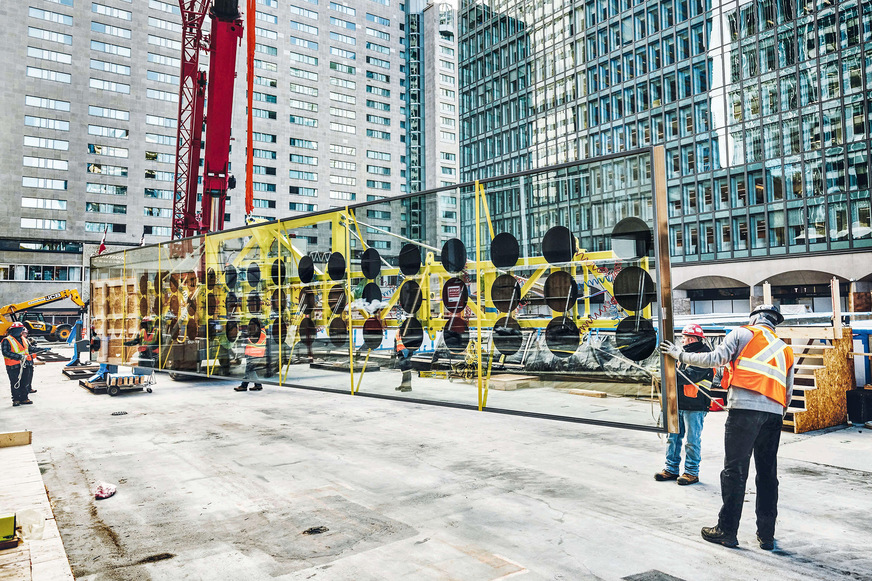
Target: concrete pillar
(756, 296)
(860, 298)
(680, 303)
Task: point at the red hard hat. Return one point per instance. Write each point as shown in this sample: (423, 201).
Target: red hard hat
(693, 330)
(16, 325)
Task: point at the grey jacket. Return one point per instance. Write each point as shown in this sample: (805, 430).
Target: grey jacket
(738, 397)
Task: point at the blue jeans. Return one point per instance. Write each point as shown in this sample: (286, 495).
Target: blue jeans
(689, 423)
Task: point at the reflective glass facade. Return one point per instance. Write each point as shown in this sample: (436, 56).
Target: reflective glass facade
(763, 108)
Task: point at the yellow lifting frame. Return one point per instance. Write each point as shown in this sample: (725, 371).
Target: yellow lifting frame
(342, 222)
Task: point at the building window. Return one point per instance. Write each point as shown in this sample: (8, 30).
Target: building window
(43, 224)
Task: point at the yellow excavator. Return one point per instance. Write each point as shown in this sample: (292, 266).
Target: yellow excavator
(35, 322)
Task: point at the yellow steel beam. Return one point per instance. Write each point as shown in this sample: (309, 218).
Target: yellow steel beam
(478, 283)
(483, 198)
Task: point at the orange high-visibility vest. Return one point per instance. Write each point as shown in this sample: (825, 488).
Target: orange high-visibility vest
(147, 341)
(692, 390)
(19, 349)
(762, 366)
(400, 345)
(257, 349)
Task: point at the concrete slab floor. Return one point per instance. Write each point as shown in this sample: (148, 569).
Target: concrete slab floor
(215, 484)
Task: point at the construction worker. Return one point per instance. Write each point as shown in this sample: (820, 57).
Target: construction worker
(95, 344)
(693, 404)
(18, 355)
(147, 341)
(404, 363)
(759, 376)
(255, 355)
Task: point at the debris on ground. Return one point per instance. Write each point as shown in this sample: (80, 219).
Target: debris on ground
(104, 490)
(315, 530)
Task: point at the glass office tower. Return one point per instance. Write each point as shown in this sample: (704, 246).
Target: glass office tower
(763, 107)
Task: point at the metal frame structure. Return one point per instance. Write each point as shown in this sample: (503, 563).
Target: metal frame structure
(193, 261)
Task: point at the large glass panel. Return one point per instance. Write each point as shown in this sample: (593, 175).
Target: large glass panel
(724, 237)
(816, 225)
(757, 230)
(861, 216)
(556, 292)
(858, 170)
(777, 236)
(796, 228)
(740, 227)
(838, 211)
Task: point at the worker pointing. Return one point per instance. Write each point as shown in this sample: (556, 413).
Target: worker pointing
(759, 377)
(18, 356)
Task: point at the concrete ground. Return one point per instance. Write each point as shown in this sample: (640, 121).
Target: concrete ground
(214, 484)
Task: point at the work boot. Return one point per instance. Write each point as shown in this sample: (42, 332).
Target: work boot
(15, 404)
(26, 401)
(719, 537)
(686, 479)
(240, 388)
(767, 544)
(257, 387)
(664, 475)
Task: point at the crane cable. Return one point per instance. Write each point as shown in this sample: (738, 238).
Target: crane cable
(249, 143)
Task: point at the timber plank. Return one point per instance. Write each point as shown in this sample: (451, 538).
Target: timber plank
(10, 439)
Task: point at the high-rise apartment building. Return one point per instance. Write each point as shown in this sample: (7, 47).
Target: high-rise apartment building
(763, 108)
(433, 113)
(89, 108)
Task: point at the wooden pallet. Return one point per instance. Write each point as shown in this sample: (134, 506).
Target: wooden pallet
(93, 386)
(52, 357)
(512, 382)
(81, 371)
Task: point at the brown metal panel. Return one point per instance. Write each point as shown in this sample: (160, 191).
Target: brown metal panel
(669, 388)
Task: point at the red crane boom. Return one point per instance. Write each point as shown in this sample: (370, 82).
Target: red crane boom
(221, 43)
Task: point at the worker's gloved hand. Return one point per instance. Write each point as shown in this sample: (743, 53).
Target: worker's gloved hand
(670, 349)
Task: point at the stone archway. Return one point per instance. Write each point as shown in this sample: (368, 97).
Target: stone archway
(710, 287)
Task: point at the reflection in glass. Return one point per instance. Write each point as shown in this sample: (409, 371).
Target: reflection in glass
(541, 304)
(453, 255)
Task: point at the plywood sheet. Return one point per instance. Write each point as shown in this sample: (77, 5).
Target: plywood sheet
(825, 405)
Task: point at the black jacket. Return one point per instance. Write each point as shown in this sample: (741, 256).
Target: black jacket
(694, 374)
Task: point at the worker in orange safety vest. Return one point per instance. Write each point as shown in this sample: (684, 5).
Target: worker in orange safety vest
(147, 341)
(255, 355)
(692, 409)
(404, 362)
(759, 377)
(18, 356)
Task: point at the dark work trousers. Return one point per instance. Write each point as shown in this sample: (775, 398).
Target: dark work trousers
(252, 366)
(21, 392)
(750, 431)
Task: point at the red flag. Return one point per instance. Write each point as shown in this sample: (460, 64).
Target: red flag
(103, 242)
